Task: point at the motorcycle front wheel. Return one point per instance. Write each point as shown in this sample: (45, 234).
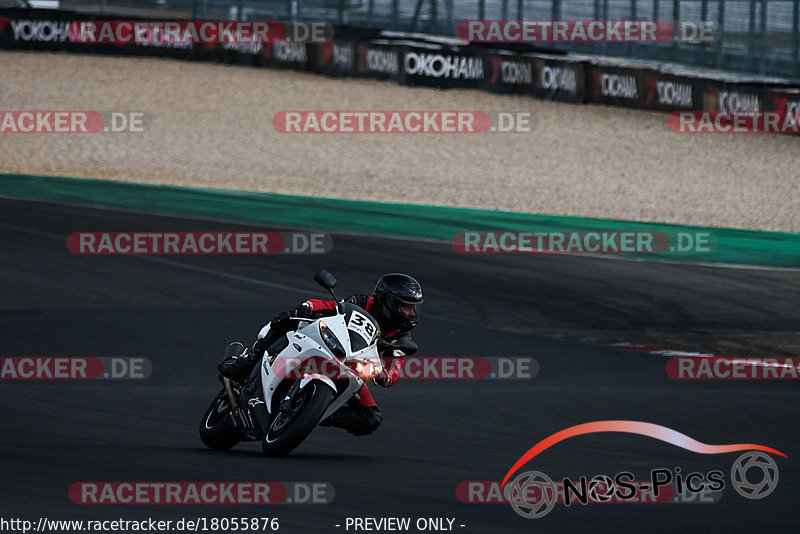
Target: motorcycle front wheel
(290, 427)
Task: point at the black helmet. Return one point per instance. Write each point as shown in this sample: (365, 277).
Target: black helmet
(398, 297)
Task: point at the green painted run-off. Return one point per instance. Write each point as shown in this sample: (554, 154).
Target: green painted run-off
(748, 247)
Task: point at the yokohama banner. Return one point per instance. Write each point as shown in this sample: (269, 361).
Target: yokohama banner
(46, 29)
(378, 59)
(443, 66)
(784, 100)
(337, 58)
(509, 73)
(559, 79)
(297, 55)
(404, 58)
(671, 93)
(732, 97)
(615, 85)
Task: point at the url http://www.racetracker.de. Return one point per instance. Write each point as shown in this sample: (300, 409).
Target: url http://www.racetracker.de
(184, 524)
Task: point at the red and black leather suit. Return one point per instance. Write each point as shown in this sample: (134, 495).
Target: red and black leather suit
(361, 415)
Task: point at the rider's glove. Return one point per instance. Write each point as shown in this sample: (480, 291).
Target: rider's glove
(388, 376)
(383, 379)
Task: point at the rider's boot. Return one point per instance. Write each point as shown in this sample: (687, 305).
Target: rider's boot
(357, 420)
(238, 367)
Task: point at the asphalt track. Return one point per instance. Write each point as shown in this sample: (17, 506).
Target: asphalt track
(180, 311)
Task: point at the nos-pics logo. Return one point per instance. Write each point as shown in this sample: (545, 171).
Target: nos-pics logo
(533, 494)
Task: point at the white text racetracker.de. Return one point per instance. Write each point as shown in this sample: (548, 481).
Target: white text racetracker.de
(403, 524)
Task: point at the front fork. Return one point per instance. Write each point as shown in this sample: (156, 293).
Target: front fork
(286, 403)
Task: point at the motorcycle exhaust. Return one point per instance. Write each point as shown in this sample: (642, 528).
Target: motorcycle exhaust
(231, 397)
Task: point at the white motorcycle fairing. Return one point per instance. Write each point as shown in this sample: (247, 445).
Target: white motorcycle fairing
(305, 344)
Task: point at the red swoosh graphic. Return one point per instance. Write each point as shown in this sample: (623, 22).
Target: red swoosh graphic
(634, 427)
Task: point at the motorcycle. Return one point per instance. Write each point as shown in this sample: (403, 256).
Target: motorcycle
(301, 380)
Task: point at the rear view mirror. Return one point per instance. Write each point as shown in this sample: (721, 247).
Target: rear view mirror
(325, 279)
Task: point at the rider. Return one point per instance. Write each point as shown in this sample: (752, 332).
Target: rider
(395, 304)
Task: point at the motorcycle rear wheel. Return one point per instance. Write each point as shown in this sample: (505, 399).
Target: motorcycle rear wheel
(217, 430)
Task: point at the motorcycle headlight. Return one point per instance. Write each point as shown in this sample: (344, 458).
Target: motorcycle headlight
(331, 340)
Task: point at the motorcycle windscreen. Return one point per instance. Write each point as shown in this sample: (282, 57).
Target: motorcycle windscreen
(361, 327)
